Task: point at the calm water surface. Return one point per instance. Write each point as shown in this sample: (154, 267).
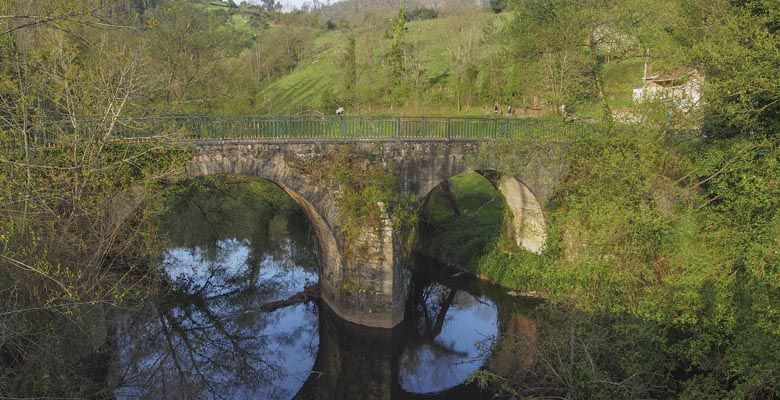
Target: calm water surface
(207, 337)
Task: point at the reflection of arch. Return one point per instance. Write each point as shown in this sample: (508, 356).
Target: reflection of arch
(527, 225)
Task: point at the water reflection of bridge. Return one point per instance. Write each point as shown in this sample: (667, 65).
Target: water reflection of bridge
(417, 357)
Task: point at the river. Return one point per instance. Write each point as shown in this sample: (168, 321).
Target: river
(216, 333)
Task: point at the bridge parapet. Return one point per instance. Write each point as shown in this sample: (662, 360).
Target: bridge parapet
(280, 127)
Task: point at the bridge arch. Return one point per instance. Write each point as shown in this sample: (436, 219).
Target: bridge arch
(315, 202)
(524, 220)
(330, 263)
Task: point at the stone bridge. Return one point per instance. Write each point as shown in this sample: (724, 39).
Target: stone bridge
(370, 288)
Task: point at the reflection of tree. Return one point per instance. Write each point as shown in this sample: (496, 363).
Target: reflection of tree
(209, 342)
(438, 300)
(433, 304)
(447, 343)
(211, 209)
(207, 337)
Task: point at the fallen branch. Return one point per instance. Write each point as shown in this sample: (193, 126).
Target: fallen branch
(310, 292)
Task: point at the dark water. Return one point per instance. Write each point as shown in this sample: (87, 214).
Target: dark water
(208, 338)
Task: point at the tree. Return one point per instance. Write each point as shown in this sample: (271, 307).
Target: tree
(65, 258)
(188, 43)
(350, 65)
(739, 58)
(280, 50)
(272, 6)
(422, 13)
(549, 35)
(567, 43)
(396, 56)
(463, 49)
(497, 5)
(398, 45)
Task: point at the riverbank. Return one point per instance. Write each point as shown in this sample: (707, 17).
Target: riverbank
(651, 234)
(472, 239)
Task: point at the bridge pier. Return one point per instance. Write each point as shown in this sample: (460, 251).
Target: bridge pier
(370, 286)
(363, 280)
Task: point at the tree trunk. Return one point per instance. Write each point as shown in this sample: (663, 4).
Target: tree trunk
(445, 188)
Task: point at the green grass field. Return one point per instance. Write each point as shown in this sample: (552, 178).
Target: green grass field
(474, 231)
(301, 89)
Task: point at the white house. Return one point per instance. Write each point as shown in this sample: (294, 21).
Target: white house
(682, 89)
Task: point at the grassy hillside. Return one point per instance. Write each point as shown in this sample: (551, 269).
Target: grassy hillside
(433, 43)
(456, 64)
(302, 89)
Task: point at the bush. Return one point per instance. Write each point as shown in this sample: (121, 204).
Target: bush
(421, 13)
(497, 5)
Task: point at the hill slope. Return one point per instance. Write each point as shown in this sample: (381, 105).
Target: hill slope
(437, 49)
(430, 41)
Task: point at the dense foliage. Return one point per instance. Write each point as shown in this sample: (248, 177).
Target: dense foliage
(421, 13)
(665, 234)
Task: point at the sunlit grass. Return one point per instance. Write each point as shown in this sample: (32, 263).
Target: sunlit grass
(461, 239)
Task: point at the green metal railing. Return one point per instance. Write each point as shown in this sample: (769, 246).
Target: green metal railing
(192, 128)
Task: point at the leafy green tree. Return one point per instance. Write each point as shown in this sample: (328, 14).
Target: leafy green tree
(739, 59)
(349, 62)
(497, 6)
(188, 44)
(551, 35)
(421, 13)
(398, 45)
(568, 44)
(396, 56)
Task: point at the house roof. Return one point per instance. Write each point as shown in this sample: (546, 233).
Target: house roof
(672, 76)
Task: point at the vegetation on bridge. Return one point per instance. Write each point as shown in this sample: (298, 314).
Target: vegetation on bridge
(366, 191)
